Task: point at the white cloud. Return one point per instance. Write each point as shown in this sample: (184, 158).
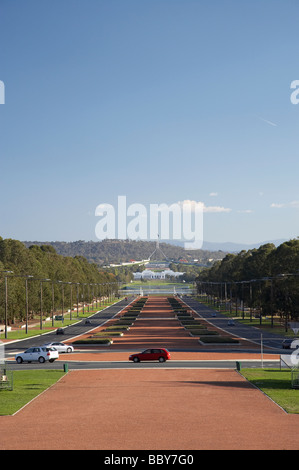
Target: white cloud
(192, 204)
(245, 211)
(293, 205)
(210, 209)
(213, 194)
(216, 209)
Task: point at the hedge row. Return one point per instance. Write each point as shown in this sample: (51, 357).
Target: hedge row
(218, 339)
(117, 328)
(196, 328)
(93, 340)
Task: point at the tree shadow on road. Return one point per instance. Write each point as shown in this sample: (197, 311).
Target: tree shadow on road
(211, 383)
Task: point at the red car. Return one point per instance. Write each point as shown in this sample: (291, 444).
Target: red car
(160, 355)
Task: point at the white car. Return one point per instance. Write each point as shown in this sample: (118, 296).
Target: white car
(38, 353)
(61, 347)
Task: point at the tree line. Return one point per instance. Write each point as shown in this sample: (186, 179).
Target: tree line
(37, 277)
(266, 279)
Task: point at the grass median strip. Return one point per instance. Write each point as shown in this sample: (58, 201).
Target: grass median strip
(27, 384)
(218, 339)
(276, 384)
(94, 340)
(101, 334)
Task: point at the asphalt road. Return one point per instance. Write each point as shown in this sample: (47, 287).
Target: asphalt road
(73, 365)
(71, 331)
(269, 340)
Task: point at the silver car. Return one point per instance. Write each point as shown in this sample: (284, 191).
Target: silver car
(61, 347)
(37, 353)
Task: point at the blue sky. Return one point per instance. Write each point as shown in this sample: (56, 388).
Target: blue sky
(158, 100)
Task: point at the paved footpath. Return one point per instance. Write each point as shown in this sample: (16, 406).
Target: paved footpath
(152, 409)
(182, 409)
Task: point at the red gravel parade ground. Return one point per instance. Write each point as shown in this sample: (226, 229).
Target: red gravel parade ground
(154, 408)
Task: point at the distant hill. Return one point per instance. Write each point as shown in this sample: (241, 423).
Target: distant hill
(121, 251)
(237, 247)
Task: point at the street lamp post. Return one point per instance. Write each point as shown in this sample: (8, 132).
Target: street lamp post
(100, 291)
(236, 298)
(62, 299)
(27, 306)
(78, 284)
(6, 302)
(243, 306)
(27, 277)
(231, 296)
(41, 300)
(83, 298)
(71, 306)
(5, 317)
(53, 300)
(88, 297)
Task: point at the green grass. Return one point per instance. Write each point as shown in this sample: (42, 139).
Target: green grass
(202, 332)
(195, 326)
(116, 328)
(27, 384)
(276, 384)
(107, 334)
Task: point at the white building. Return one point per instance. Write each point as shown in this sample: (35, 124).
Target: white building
(149, 274)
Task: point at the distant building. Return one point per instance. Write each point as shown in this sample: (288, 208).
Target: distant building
(149, 274)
